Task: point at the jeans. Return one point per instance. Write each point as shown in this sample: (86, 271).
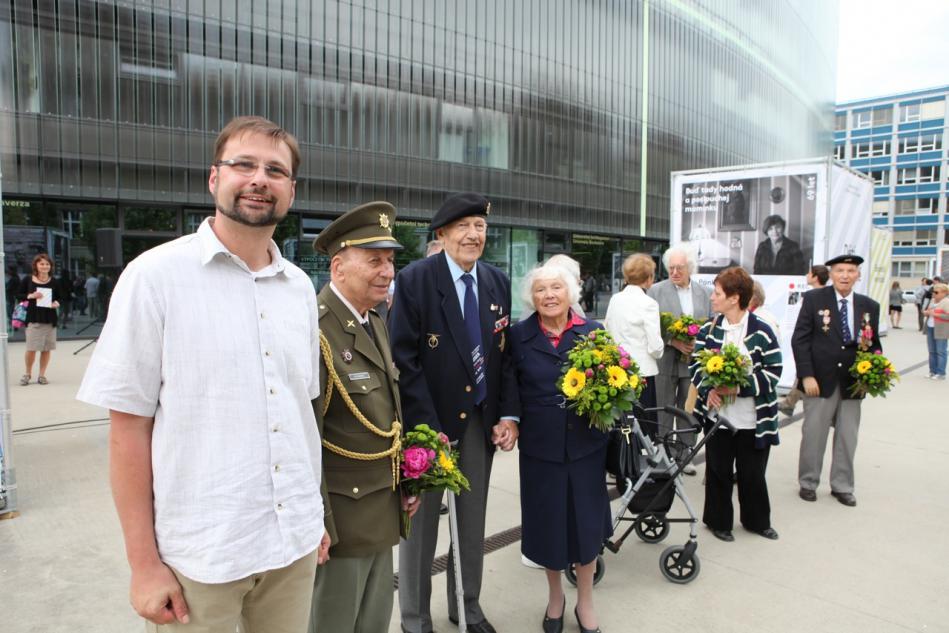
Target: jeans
(937, 352)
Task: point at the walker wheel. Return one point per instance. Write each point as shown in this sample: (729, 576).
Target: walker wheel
(651, 528)
(571, 573)
(675, 568)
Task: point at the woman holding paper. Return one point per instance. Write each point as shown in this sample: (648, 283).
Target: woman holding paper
(42, 292)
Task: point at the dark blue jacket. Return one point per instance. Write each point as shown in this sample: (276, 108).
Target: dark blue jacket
(548, 430)
(430, 348)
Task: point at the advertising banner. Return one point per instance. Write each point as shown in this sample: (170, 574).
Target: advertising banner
(775, 221)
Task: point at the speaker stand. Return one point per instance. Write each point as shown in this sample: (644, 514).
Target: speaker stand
(86, 327)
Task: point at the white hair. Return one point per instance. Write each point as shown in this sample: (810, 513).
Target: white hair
(685, 250)
(571, 265)
(549, 271)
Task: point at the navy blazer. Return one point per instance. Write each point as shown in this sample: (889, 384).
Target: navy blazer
(549, 430)
(822, 354)
(430, 347)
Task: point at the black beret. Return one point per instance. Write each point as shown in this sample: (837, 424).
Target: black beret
(460, 205)
(367, 226)
(844, 259)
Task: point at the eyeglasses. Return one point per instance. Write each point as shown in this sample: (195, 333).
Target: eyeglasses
(249, 167)
(681, 269)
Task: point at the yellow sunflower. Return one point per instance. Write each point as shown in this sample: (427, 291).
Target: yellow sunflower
(573, 382)
(677, 326)
(714, 364)
(864, 366)
(445, 462)
(634, 381)
(616, 376)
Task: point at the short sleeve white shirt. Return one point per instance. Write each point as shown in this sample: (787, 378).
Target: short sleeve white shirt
(225, 360)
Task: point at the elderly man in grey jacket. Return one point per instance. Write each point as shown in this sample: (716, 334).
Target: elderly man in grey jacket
(679, 294)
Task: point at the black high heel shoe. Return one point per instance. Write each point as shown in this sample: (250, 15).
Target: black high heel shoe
(580, 624)
(554, 625)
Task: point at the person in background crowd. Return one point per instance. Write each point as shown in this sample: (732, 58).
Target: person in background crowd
(92, 292)
(752, 409)
(215, 457)
(104, 295)
(896, 305)
(825, 344)
(679, 294)
(42, 293)
(434, 247)
(778, 255)
(817, 277)
(65, 288)
(565, 507)
(12, 288)
(79, 292)
(937, 331)
(361, 501)
(449, 334)
(632, 317)
(588, 292)
(572, 266)
(923, 295)
(757, 306)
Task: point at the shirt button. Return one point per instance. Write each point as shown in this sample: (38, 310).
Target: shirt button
(468, 388)
(363, 387)
(840, 364)
(280, 506)
(267, 353)
(275, 429)
(272, 391)
(462, 415)
(276, 468)
(262, 316)
(355, 491)
(842, 347)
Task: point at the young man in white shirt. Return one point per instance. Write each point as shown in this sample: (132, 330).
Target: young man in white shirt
(208, 363)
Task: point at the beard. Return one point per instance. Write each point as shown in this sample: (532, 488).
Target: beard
(270, 216)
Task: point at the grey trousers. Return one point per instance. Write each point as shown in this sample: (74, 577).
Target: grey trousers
(353, 595)
(672, 390)
(819, 415)
(418, 551)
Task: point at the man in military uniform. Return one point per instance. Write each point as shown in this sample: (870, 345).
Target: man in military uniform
(360, 421)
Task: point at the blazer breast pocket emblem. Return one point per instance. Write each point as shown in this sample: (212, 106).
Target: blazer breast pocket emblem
(433, 340)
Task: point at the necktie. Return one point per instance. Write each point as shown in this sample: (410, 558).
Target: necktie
(473, 328)
(369, 331)
(845, 321)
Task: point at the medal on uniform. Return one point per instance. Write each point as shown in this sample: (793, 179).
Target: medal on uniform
(347, 356)
(433, 340)
(825, 313)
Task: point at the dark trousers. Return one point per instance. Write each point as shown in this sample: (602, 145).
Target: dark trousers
(725, 454)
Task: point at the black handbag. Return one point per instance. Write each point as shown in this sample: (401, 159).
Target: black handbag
(621, 452)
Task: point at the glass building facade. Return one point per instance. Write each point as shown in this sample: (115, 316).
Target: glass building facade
(108, 112)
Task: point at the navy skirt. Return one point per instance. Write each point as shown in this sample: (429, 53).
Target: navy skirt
(565, 510)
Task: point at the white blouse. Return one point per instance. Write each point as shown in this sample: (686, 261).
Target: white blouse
(741, 413)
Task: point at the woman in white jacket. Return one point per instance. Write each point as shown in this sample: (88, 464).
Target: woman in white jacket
(633, 319)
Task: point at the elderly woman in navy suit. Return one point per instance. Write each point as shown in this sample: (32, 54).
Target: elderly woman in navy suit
(565, 509)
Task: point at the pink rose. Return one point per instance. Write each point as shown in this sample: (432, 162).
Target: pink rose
(878, 352)
(443, 438)
(416, 461)
(589, 373)
(624, 362)
(592, 336)
(622, 352)
(601, 367)
(693, 330)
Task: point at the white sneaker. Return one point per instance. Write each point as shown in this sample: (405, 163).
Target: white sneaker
(526, 562)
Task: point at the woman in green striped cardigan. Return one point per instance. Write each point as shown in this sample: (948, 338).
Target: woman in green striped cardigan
(752, 409)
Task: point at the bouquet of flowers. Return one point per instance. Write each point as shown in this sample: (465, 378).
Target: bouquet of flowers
(600, 380)
(726, 367)
(428, 463)
(683, 328)
(874, 375)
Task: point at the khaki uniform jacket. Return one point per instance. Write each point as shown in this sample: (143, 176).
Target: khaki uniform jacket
(362, 510)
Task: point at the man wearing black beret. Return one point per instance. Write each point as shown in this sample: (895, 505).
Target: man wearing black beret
(449, 324)
(834, 323)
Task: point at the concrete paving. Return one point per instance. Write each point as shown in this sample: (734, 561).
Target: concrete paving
(879, 567)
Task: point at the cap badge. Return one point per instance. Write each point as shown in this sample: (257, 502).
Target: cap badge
(487, 209)
(384, 221)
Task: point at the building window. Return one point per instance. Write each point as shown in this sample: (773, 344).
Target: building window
(875, 148)
(913, 175)
(909, 113)
(911, 268)
(904, 238)
(917, 206)
(840, 121)
(921, 143)
(862, 119)
(926, 237)
(932, 110)
(881, 208)
(839, 152)
(72, 222)
(881, 177)
(883, 116)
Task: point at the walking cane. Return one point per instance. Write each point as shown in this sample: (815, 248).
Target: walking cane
(456, 554)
